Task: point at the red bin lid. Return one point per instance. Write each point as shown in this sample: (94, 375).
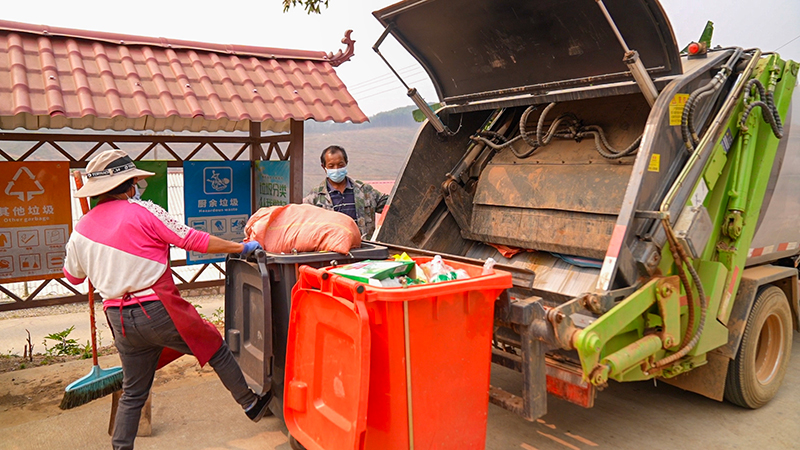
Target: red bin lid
(327, 371)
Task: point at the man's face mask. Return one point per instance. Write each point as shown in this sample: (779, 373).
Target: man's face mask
(337, 175)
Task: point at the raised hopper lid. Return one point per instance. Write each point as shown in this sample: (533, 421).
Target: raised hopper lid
(480, 49)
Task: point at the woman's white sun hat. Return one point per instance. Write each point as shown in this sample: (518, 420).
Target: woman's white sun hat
(108, 170)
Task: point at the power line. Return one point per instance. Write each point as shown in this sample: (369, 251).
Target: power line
(383, 79)
(386, 90)
(387, 82)
(385, 75)
(402, 69)
(790, 41)
(375, 94)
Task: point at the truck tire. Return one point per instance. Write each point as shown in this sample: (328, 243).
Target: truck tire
(757, 372)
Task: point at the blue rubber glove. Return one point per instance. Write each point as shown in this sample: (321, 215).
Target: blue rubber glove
(249, 248)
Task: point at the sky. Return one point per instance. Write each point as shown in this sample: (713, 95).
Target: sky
(767, 24)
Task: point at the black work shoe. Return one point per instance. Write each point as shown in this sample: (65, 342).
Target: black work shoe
(259, 407)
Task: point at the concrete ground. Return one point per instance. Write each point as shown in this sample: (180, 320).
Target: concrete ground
(192, 410)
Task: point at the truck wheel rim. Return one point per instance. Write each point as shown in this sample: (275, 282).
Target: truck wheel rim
(769, 351)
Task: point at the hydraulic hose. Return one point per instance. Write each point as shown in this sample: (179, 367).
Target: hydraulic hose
(604, 148)
(683, 257)
(687, 118)
(695, 98)
(685, 281)
(523, 123)
(486, 137)
(688, 130)
(571, 129)
(768, 110)
(493, 135)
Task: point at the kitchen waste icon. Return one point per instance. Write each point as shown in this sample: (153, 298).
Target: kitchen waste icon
(218, 180)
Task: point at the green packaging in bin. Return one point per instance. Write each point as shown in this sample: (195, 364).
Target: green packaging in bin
(371, 272)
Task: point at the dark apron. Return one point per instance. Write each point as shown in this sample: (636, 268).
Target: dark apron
(200, 335)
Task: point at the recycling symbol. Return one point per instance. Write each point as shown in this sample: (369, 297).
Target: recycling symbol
(29, 187)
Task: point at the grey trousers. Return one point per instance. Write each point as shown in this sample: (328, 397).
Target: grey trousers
(139, 350)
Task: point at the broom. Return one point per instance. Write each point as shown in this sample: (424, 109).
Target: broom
(99, 382)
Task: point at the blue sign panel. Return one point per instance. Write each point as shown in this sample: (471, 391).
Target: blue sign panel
(216, 200)
(272, 183)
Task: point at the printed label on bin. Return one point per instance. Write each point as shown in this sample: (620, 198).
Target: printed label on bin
(378, 270)
(327, 371)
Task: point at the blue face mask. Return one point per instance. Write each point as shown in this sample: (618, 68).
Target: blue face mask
(139, 187)
(337, 175)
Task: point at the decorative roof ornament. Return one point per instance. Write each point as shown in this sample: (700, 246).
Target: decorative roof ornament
(341, 57)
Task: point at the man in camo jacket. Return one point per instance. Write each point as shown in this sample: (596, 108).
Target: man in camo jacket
(338, 192)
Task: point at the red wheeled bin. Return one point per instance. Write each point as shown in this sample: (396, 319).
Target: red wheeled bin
(382, 368)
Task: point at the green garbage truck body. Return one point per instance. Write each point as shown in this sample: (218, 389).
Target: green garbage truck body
(645, 200)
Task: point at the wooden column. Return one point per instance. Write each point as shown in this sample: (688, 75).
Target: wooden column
(145, 420)
(296, 162)
(256, 153)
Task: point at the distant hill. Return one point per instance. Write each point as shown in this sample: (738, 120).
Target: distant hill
(376, 149)
(398, 117)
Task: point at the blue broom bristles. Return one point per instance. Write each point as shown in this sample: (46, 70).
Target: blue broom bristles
(99, 383)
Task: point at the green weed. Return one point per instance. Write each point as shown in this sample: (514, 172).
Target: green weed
(66, 346)
(217, 317)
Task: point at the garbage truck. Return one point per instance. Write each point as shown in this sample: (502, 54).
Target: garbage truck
(644, 199)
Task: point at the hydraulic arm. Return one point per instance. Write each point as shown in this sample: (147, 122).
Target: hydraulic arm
(663, 328)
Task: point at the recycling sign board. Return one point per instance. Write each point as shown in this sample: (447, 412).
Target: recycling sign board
(272, 183)
(35, 220)
(217, 200)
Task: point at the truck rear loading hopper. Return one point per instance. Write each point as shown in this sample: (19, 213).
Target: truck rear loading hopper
(549, 147)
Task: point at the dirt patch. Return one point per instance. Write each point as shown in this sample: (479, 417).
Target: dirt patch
(32, 390)
(27, 395)
(39, 384)
(34, 396)
(35, 393)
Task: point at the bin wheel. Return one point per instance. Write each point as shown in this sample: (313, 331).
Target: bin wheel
(757, 372)
(294, 444)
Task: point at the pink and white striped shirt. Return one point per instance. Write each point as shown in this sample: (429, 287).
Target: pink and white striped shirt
(123, 247)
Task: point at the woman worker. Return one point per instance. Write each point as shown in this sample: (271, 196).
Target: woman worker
(122, 245)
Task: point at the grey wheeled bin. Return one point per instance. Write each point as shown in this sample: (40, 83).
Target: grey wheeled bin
(258, 297)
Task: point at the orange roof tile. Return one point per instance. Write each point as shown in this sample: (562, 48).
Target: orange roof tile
(58, 77)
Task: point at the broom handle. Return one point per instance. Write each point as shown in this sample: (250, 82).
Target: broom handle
(85, 208)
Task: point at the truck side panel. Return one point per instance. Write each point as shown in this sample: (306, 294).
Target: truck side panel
(777, 234)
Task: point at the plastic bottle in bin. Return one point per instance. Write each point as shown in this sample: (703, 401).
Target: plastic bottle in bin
(488, 266)
(436, 271)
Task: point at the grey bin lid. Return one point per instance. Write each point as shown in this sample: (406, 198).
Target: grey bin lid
(481, 49)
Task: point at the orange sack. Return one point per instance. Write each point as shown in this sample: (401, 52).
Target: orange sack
(305, 228)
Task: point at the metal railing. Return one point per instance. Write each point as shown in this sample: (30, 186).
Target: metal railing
(79, 147)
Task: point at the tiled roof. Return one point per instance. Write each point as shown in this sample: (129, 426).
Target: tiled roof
(57, 77)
